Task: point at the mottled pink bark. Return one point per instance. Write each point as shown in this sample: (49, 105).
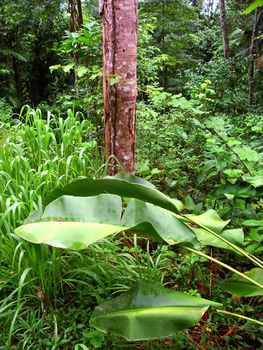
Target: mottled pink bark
(119, 62)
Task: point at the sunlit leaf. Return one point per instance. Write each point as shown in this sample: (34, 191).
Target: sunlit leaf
(81, 71)
(255, 181)
(76, 222)
(235, 236)
(253, 6)
(209, 219)
(55, 67)
(67, 68)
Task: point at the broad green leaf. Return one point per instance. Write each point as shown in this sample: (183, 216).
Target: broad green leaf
(215, 123)
(55, 67)
(233, 173)
(104, 208)
(243, 288)
(209, 219)
(253, 223)
(81, 71)
(229, 196)
(149, 312)
(235, 236)
(67, 235)
(67, 68)
(123, 185)
(76, 222)
(247, 153)
(237, 190)
(170, 228)
(114, 79)
(253, 6)
(255, 181)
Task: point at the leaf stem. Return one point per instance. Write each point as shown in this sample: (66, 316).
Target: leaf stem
(240, 316)
(242, 275)
(255, 260)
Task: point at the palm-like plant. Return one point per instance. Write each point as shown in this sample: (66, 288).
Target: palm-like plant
(89, 210)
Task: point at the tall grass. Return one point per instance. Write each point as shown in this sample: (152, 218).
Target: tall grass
(37, 154)
(47, 294)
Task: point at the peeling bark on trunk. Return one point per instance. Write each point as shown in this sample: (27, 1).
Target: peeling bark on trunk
(119, 64)
(224, 29)
(252, 54)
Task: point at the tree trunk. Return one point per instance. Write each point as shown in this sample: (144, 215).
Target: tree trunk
(80, 16)
(76, 23)
(252, 54)
(76, 18)
(224, 28)
(17, 80)
(119, 81)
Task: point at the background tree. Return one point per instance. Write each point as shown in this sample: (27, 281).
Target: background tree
(28, 32)
(224, 28)
(76, 17)
(119, 80)
(252, 56)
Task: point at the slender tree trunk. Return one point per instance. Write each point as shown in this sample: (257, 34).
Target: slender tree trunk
(73, 26)
(224, 28)
(119, 81)
(76, 23)
(165, 69)
(80, 16)
(17, 79)
(252, 54)
(76, 17)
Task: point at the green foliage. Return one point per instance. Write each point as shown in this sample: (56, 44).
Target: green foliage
(137, 318)
(132, 315)
(29, 29)
(253, 6)
(240, 288)
(80, 67)
(5, 112)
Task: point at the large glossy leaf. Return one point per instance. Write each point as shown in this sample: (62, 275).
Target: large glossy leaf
(104, 208)
(209, 219)
(170, 228)
(67, 235)
(235, 236)
(122, 184)
(76, 222)
(243, 288)
(149, 312)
